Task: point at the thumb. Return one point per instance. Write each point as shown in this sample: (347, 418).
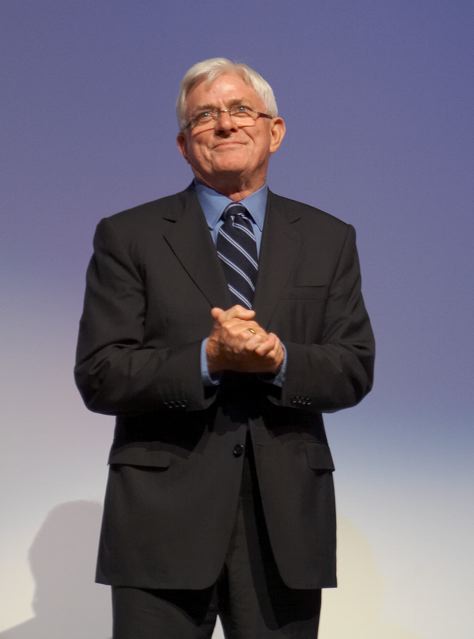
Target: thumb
(216, 312)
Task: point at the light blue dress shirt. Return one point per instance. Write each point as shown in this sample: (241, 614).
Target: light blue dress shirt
(213, 205)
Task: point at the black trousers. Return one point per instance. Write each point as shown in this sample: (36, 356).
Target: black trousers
(249, 596)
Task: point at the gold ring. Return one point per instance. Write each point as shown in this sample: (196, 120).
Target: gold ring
(252, 330)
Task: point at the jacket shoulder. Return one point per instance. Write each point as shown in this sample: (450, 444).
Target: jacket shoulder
(155, 210)
(309, 214)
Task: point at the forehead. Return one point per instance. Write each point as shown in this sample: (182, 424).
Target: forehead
(226, 88)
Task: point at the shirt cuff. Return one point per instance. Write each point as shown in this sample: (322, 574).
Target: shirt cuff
(208, 379)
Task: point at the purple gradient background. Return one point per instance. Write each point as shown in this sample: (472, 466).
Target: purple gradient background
(378, 102)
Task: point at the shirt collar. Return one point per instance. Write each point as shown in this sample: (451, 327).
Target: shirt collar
(213, 204)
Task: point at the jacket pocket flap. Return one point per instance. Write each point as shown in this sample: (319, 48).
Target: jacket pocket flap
(319, 457)
(132, 456)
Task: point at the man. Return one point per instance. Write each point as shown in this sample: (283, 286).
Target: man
(218, 333)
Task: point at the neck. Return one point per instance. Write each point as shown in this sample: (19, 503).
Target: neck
(235, 191)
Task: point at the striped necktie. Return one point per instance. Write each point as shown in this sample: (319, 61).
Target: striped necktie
(237, 251)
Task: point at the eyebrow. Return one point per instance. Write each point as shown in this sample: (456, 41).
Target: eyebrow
(207, 107)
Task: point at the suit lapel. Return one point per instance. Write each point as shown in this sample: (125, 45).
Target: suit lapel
(278, 253)
(191, 242)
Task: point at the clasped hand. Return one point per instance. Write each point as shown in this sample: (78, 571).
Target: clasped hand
(238, 343)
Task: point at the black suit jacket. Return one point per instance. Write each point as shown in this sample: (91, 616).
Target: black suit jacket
(174, 479)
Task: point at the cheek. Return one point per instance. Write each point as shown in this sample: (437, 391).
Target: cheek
(197, 153)
(260, 144)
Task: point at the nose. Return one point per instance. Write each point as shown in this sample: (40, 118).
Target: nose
(224, 122)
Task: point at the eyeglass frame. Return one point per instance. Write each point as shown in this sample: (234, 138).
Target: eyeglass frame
(215, 113)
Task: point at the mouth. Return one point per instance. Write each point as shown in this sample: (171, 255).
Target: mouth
(224, 145)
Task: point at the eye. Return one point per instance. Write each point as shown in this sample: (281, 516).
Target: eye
(203, 116)
(241, 110)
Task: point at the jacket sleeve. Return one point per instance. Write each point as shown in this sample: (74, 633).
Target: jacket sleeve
(337, 372)
(116, 371)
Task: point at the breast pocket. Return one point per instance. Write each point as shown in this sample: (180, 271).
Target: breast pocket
(306, 292)
(300, 313)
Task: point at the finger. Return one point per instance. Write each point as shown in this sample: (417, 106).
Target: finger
(240, 312)
(273, 355)
(254, 342)
(245, 328)
(217, 312)
(277, 355)
(234, 312)
(272, 350)
(265, 347)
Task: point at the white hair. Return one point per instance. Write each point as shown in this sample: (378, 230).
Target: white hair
(209, 70)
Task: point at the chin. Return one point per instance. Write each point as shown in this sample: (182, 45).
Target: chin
(234, 165)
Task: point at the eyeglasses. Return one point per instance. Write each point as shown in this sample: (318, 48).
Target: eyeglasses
(241, 115)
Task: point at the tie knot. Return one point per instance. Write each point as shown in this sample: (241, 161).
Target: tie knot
(234, 209)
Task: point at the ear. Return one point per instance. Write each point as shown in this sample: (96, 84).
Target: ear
(277, 132)
(181, 143)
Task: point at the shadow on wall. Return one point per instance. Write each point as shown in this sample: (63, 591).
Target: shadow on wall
(355, 610)
(67, 602)
(68, 605)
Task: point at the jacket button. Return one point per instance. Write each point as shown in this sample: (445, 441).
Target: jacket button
(238, 450)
